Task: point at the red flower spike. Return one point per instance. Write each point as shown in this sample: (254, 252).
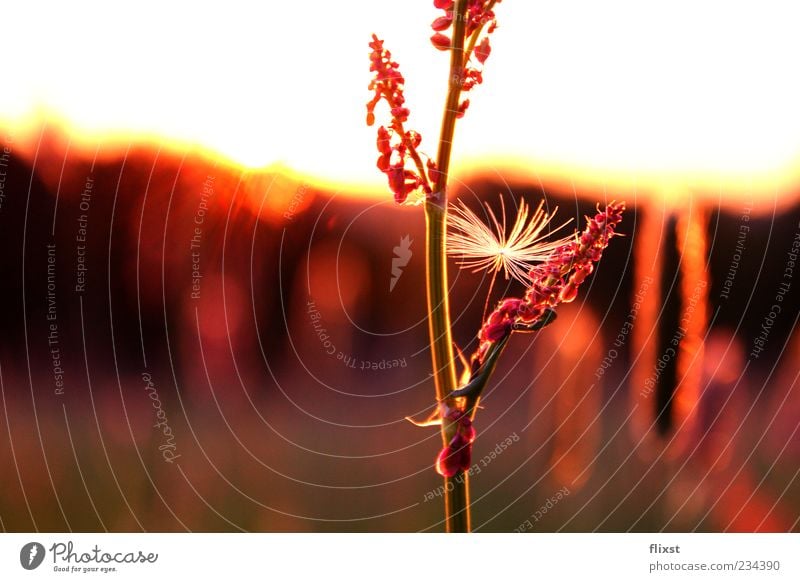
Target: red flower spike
(553, 282)
(398, 157)
(480, 23)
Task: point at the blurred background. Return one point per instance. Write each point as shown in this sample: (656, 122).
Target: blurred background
(202, 326)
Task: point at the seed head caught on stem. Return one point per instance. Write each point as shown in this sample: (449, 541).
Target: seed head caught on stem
(552, 282)
(490, 246)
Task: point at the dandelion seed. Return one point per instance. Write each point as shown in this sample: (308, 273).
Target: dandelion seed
(492, 248)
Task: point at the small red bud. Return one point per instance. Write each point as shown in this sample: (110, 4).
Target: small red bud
(569, 292)
(483, 50)
(441, 23)
(441, 41)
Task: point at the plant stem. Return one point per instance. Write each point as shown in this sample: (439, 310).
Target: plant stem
(457, 487)
(455, 82)
(488, 296)
(438, 305)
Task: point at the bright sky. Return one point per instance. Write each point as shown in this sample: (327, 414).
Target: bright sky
(687, 89)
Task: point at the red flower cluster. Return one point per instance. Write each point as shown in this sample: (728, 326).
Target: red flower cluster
(457, 455)
(479, 14)
(396, 146)
(554, 281)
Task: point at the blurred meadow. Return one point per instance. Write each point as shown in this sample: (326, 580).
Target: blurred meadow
(237, 359)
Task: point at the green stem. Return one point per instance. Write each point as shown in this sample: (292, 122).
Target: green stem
(457, 487)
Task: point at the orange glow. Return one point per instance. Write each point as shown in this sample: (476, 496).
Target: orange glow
(693, 323)
(623, 94)
(577, 406)
(646, 305)
(695, 282)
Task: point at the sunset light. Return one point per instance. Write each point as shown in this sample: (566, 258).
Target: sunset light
(619, 92)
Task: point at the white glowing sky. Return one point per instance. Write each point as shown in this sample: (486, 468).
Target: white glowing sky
(679, 88)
